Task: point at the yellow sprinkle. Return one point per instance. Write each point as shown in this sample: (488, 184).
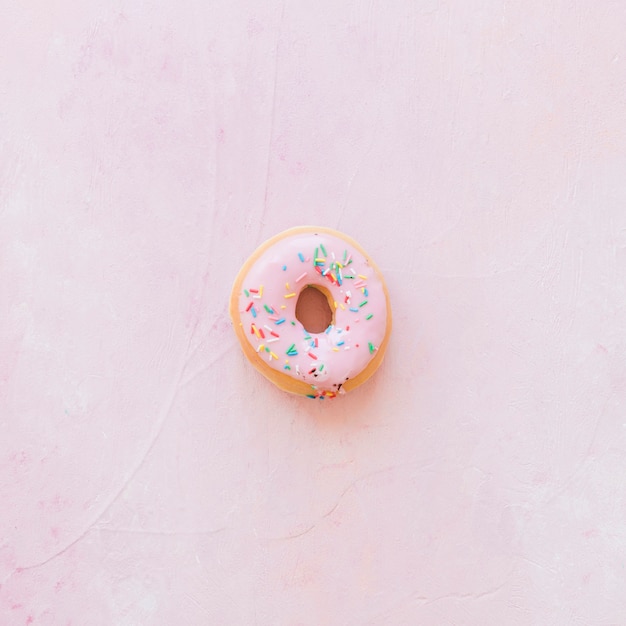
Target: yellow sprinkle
(290, 295)
(335, 303)
(335, 349)
(361, 276)
(283, 306)
(320, 260)
(340, 265)
(256, 332)
(260, 348)
(272, 354)
(286, 360)
(287, 286)
(343, 308)
(261, 290)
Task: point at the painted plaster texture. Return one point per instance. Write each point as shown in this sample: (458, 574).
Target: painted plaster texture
(149, 475)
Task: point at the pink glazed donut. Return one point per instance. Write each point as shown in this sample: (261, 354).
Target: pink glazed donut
(311, 312)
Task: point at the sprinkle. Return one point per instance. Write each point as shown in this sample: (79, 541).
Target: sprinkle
(323, 249)
(267, 349)
(253, 311)
(273, 355)
(261, 346)
(312, 355)
(335, 303)
(316, 253)
(311, 371)
(261, 333)
(321, 367)
(365, 292)
(329, 329)
(247, 293)
(370, 316)
(261, 290)
(287, 367)
(300, 277)
(300, 257)
(293, 323)
(249, 306)
(335, 349)
(348, 276)
(310, 396)
(347, 328)
(291, 350)
(269, 309)
(371, 347)
(272, 317)
(349, 260)
(274, 334)
(320, 261)
(280, 321)
(266, 326)
(290, 295)
(354, 310)
(252, 327)
(287, 286)
(362, 276)
(340, 343)
(345, 256)
(284, 267)
(282, 306)
(254, 291)
(343, 308)
(316, 342)
(363, 303)
(272, 340)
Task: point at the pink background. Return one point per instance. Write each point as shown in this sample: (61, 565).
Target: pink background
(148, 475)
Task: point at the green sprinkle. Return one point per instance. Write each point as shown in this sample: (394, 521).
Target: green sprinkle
(370, 316)
(323, 249)
(247, 293)
(268, 309)
(291, 348)
(293, 323)
(363, 303)
(267, 349)
(287, 367)
(321, 367)
(372, 348)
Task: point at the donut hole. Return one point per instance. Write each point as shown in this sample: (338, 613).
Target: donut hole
(313, 309)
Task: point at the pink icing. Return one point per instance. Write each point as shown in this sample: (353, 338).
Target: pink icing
(267, 306)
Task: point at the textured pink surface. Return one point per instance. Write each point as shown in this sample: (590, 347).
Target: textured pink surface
(148, 475)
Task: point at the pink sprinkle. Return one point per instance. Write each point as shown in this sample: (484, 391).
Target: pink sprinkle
(300, 277)
(312, 355)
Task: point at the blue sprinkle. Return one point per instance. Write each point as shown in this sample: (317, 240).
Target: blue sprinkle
(300, 256)
(280, 321)
(284, 267)
(253, 311)
(354, 310)
(328, 329)
(340, 343)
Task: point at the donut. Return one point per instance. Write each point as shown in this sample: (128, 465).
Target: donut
(311, 311)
